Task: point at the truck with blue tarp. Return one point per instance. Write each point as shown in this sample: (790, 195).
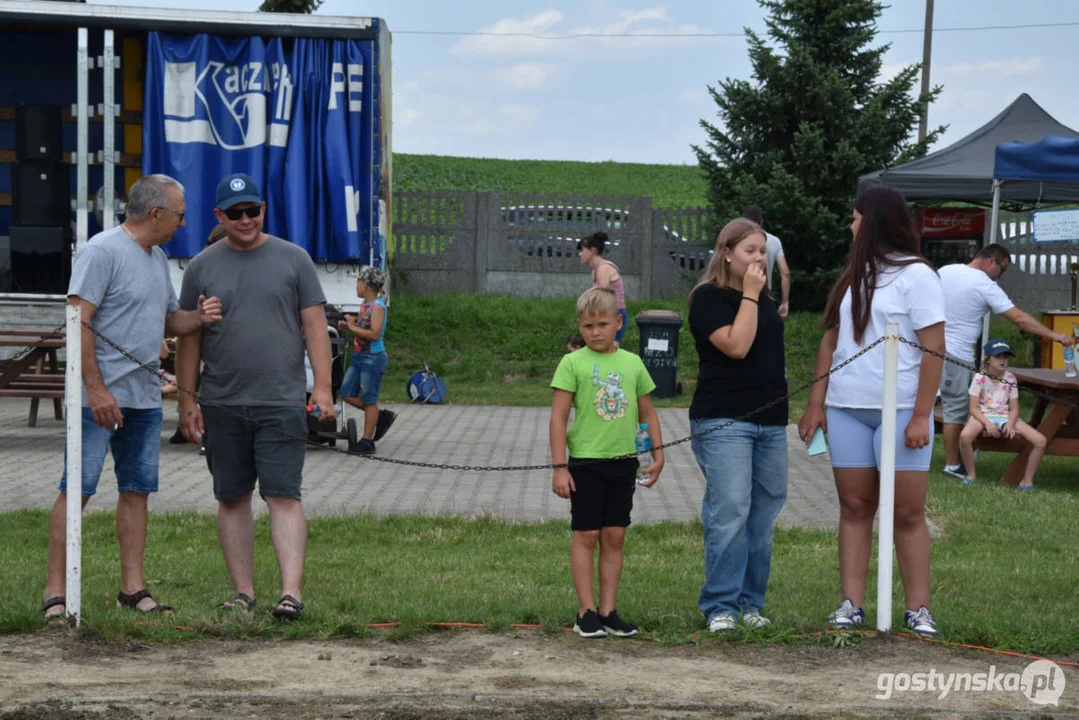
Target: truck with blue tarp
(299, 102)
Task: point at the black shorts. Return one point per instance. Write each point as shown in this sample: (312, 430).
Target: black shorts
(238, 452)
(604, 494)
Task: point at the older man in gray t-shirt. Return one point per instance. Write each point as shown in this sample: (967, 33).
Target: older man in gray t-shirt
(253, 387)
(121, 281)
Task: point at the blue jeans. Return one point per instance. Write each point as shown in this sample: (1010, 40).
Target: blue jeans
(745, 470)
(136, 448)
(363, 379)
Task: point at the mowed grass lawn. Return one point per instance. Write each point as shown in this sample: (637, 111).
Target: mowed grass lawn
(1004, 571)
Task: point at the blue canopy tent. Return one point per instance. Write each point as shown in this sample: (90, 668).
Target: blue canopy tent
(1050, 164)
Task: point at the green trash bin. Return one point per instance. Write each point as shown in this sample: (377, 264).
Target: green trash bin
(659, 349)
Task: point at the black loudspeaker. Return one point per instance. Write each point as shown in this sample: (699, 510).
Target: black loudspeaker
(40, 193)
(40, 259)
(39, 132)
(5, 264)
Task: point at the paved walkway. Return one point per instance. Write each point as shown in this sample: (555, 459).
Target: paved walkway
(32, 459)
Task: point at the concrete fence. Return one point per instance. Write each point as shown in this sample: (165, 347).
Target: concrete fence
(526, 245)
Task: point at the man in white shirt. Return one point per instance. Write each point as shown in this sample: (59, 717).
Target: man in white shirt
(970, 291)
(774, 253)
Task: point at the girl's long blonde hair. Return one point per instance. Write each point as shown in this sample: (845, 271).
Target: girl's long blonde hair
(732, 233)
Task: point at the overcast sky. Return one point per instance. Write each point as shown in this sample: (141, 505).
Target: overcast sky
(639, 99)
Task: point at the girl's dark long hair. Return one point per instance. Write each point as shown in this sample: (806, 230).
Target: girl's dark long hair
(887, 227)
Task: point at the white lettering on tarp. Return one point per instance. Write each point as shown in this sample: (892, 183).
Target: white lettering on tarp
(226, 105)
(350, 82)
(352, 208)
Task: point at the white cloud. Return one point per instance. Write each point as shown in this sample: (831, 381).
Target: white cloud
(627, 30)
(406, 117)
(501, 42)
(1008, 67)
(888, 71)
(524, 75)
(520, 115)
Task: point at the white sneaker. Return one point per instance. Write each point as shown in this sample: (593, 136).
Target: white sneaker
(753, 619)
(846, 616)
(921, 621)
(723, 622)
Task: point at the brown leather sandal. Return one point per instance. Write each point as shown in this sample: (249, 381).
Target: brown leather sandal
(51, 603)
(131, 602)
(242, 603)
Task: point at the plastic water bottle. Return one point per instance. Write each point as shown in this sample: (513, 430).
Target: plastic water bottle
(315, 410)
(644, 453)
(1069, 358)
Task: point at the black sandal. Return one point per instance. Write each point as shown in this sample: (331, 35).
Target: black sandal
(288, 608)
(241, 603)
(131, 602)
(51, 603)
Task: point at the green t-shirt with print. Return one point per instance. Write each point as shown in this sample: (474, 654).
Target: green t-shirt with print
(605, 389)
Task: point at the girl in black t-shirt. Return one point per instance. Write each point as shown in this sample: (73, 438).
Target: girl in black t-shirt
(739, 337)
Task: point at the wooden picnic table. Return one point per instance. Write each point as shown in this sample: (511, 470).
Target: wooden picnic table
(18, 381)
(1054, 416)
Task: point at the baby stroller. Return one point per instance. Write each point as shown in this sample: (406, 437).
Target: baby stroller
(324, 432)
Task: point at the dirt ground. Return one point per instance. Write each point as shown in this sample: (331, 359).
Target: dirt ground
(474, 674)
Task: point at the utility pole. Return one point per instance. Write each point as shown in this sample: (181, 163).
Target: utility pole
(927, 55)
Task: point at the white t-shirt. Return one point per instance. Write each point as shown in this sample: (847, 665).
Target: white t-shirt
(968, 295)
(910, 296)
(773, 249)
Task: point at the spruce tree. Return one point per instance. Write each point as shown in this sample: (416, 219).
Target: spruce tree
(305, 7)
(815, 117)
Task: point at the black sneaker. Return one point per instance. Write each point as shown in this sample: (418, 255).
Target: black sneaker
(366, 446)
(616, 626)
(589, 625)
(177, 437)
(385, 421)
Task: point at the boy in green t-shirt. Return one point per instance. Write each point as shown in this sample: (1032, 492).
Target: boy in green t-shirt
(609, 389)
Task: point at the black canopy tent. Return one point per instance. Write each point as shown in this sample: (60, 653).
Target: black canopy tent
(963, 171)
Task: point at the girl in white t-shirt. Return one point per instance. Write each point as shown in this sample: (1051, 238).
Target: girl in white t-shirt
(886, 281)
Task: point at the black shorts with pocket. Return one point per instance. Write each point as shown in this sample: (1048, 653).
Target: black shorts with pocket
(604, 494)
(239, 452)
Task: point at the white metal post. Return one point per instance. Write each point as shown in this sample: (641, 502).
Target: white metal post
(82, 160)
(73, 404)
(994, 234)
(108, 160)
(885, 535)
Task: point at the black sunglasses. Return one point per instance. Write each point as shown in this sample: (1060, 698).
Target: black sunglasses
(236, 213)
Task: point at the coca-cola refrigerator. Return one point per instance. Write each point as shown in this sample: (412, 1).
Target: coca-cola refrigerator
(951, 235)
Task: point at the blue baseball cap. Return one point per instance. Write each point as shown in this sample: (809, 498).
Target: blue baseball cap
(997, 347)
(237, 188)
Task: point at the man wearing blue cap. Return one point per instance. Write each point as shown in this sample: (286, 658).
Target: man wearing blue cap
(253, 387)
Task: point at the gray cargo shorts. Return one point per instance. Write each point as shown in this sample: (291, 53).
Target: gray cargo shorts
(955, 392)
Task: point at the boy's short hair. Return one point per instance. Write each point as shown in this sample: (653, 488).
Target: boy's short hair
(372, 277)
(596, 301)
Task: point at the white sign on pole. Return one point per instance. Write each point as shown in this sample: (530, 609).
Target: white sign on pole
(1056, 226)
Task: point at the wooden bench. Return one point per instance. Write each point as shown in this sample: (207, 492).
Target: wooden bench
(37, 385)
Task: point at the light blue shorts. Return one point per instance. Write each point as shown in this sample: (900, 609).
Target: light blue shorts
(854, 440)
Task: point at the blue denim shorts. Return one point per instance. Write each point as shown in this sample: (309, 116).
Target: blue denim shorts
(363, 379)
(136, 447)
(854, 440)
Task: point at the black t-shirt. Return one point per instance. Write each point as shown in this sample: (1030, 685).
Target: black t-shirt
(729, 388)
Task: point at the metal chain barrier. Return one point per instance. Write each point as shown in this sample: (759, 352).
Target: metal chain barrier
(549, 466)
(482, 468)
(967, 366)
